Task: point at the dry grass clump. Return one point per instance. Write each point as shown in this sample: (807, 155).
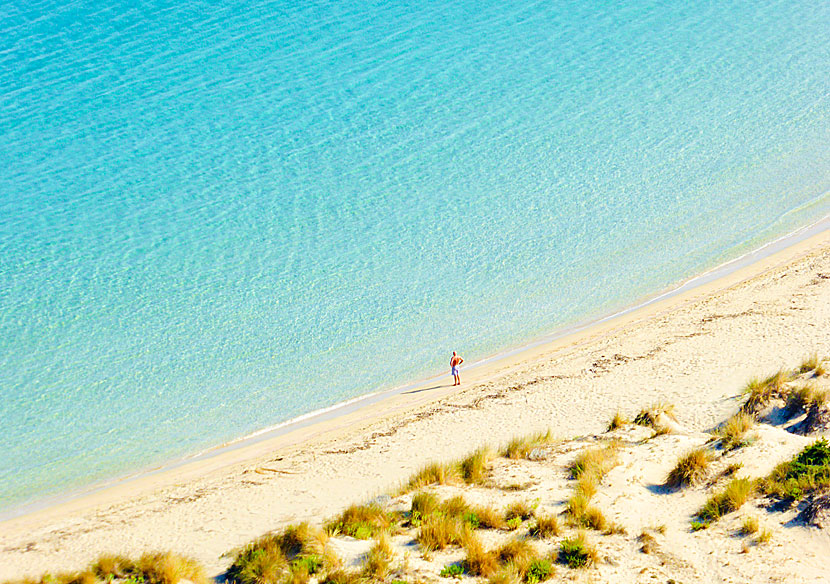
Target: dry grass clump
(733, 433)
(735, 494)
(690, 469)
(651, 416)
(618, 421)
(435, 473)
(379, 559)
(807, 472)
(522, 446)
(360, 521)
(474, 468)
(489, 517)
(506, 575)
(341, 576)
(805, 398)
(439, 531)
(749, 526)
(150, 568)
(809, 364)
(595, 462)
(545, 526)
(582, 514)
(577, 552)
(478, 561)
(519, 509)
(764, 536)
(289, 556)
(423, 504)
(759, 392)
(647, 541)
(518, 552)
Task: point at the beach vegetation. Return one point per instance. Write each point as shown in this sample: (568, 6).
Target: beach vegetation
(360, 521)
(439, 531)
(423, 503)
(452, 571)
(473, 469)
(733, 433)
(489, 517)
(513, 523)
(379, 559)
(455, 506)
(577, 552)
(618, 421)
(690, 468)
(764, 536)
(519, 509)
(539, 570)
(289, 556)
(647, 542)
(595, 463)
(478, 560)
(650, 416)
(807, 472)
(522, 446)
(545, 526)
(805, 398)
(731, 498)
(150, 568)
(749, 525)
(341, 576)
(759, 392)
(432, 474)
(505, 575)
(518, 552)
(809, 364)
(108, 567)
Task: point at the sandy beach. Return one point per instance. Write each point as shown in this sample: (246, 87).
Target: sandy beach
(695, 349)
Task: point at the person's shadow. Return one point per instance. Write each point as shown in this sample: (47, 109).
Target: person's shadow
(427, 388)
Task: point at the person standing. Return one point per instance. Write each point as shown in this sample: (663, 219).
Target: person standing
(455, 362)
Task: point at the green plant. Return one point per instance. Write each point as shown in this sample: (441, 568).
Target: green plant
(690, 469)
(576, 552)
(807, 472)
(538, 571)
(513, 523)
(452, 571)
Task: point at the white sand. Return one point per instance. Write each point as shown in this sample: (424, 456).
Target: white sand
(695, 350)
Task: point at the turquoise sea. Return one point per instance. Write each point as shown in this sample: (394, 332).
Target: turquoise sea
(218, 216)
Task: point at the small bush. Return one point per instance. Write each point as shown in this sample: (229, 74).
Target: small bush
(545, 526)
(474, 468)
(690, 469)
(440, 531)
(749, 525)
(807, 472)
(618, 421)
(736, 493)
(538, 571)
(521, 447)
(733, 433)
(478, 561)
(360, 521)
(379, 559)
(576, 552)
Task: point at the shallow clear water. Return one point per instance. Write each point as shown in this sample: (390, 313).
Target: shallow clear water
(214, 218)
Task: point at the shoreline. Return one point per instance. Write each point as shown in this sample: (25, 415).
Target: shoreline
(357, 418)
(352, 405)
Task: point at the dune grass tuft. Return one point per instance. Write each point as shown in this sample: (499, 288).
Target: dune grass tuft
(478, 560)
(647, 541)
(439, 531)
(545, 526)
(519, 509)
(423, 503)
(690, 469)
(759, 392)
(288, 556)
(518, 552)
(522, 446)
(805, 398)
(473, 469)
(735, 494)
(809, 364)
(749, 525)
(577, 552)
(432, 474)
(651, 416)
(340, 576)
(489, 517)
(592, 464)
(360, 521)
(505, 575)
(379, 559)
(733, 433)
(618, 421)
